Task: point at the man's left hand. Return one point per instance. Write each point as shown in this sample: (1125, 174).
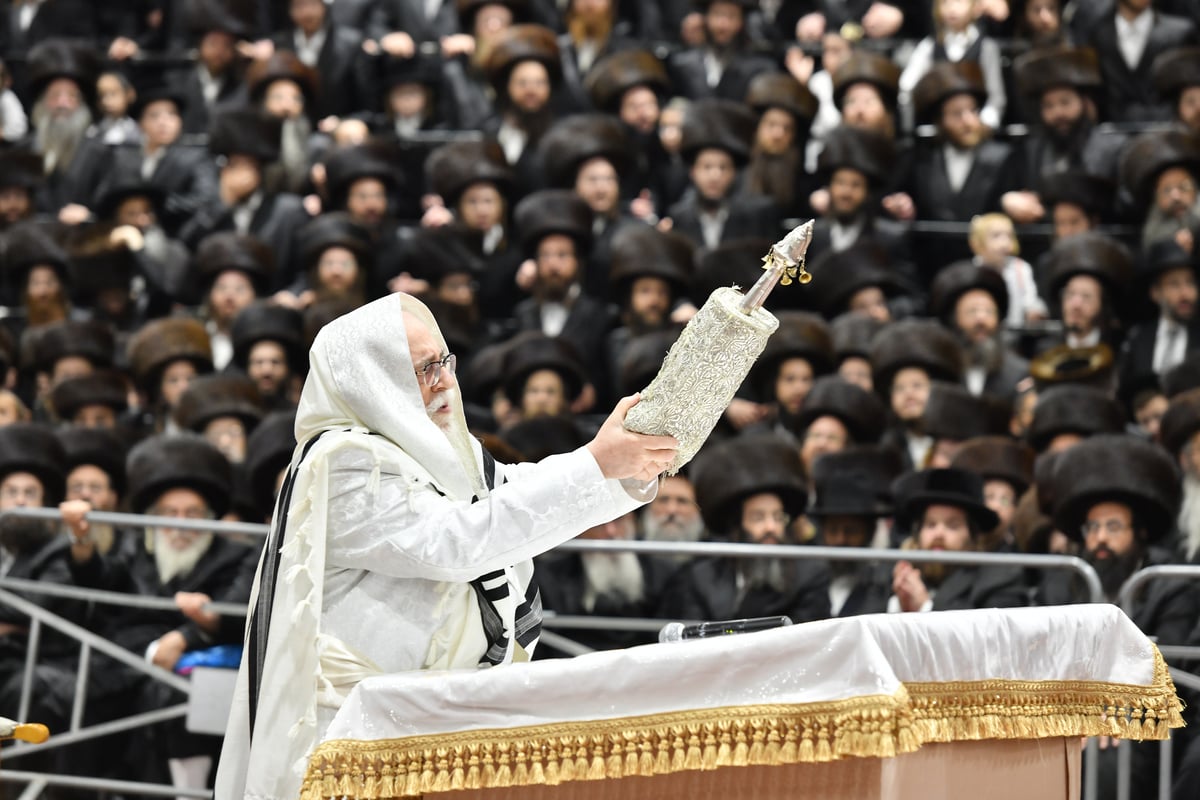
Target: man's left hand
(170, 648)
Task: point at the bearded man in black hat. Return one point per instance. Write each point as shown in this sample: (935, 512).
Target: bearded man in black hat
(943, 509)
(336, 52)
(720, 67)
(268, 346)
(1159, 172)
(751, 490)
(1087, 276)
(20, 180)
(1176, 79)
(786, 109)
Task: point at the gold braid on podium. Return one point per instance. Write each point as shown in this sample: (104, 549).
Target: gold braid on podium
(875, 726)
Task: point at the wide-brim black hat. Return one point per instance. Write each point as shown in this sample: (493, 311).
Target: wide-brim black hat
(543, 437)
(574, 140)
(178, 461)
(113, 194)
(32, 447)
(335, 229)
(642, 358)
(736, 262)
(1175, 70)
(154, 92)
(1041, 70)
(1152, 153)
(727, 473)
(855, 482)
(922, 344)
(418, 69)
(954, 281)
(282, 65)
(943, 81)
(247, 132)
(101, 261)
(852, 334)
(997, 458)
(1160, 258)
(858, 149)
(551, 211)
(954, 414)
(718, 124)
(780, 90)
(873, 68)
(227, 250)
(206, 16)
(611, 77)
(96, 447)
(640, 251)
(72, 59)
(957, 488)
(101, 388)
(209, 397)
(32, 244)
(261, 322)
(269, 450)
(1073, 408)
(1182, 377)
(800, 335)
(1094, 254)
(88, 339)
(434, 254)
(542, 352)
(1180, 422)
(843, 273)
(163, 341)
(860, 411)
(452, 168)
(20, 168)
(1118, 469)
(1092, 193)
(523, 42)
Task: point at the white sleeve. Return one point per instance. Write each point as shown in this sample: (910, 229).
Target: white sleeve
(405, 528)
(992, 114)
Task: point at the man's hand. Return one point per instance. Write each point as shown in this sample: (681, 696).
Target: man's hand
(901, 206)
(459, 44)
(810, 27)
(122, 48)
(1023, 207)
(744, 413)
(170, 647)
(398, 44)
(800, 66)
(73, 214)
(908, 587)
(624, 454)
(74, 516)
(192, 604)
(882, 20)
(1184, 238)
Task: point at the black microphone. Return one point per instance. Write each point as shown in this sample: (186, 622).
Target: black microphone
(678, 632)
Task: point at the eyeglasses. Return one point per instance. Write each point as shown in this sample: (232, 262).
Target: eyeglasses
(432, 372)
(1109, 526)
(781, 517)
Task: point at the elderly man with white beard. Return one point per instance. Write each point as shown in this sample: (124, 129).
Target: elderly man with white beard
(398, 544)
(674, 515)
(1179, 432)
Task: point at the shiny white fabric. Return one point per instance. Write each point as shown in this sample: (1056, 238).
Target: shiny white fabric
(383, 537)
(816, 662)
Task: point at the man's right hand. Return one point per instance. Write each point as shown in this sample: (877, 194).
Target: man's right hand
(624, 454)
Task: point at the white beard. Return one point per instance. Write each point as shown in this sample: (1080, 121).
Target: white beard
(1189, 516)
(613, 574)
(440, 401)
(673, 530)
(58, 137)
(172, 561)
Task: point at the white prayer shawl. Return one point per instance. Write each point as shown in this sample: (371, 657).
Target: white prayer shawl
(382, 539)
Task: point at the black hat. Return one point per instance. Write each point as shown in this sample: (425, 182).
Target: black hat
(519, 43)
(343, 167)
(957, 488)
(642, 359)
(954, 414)
(335, 229)
(31, 244)
(211, 396)
(997, 458)
(204, 16)
(31, 447)
(1041, 70)
(954, 281)
(178, 461)
(551, 211)
(20, 168)
(8, 350)
(1073, 408)
(247, 132)
(860, 411)
(1175, 70)
(419, 69)
(852, 334)
(1092, 193)
(943, 81)
(922, 344)
(434, 254)
(1180, 422)
(800, 335)
(282, 65)
(226, 250)
(453, 168)
(1162, 257)
(101, 388)
(542, 352)
(96, 447)
(858, 149)
(640, 251)
(736, 262)
(855, 482)
(72, 59)
(265, 322)
(1151, 154)
(719, 124)
(727, 473)
(1092, 366)
(153, 93)
(612, 76)
(542, 437)
(122, 188)
(163, 341)
(574, 140)
(1094, 254)
(1183, 376)
(467, 9)
(1118, 469)
(90, 340)
(843, 273)
(780, 90)
(872, 68)
(269, 450)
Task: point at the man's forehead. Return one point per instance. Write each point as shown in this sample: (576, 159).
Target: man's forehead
(421, 342)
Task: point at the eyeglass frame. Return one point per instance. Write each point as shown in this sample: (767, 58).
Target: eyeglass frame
(1110, 526)
(432, 379)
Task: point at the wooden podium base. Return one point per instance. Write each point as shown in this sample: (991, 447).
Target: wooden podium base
(1033, 769)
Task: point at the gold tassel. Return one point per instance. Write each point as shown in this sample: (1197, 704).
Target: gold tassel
(329, 781)
(503, 777)
(387, 780)
(412, 783)
(370, 786)
(553, 778)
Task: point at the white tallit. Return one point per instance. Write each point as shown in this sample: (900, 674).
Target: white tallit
(382, 537)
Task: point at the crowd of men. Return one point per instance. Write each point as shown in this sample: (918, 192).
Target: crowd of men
(1000, 349)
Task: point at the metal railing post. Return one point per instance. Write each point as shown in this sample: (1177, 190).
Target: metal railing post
(31, 648)
(81, 679)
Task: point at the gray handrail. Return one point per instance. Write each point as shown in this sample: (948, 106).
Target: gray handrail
(113, 598)
(145, 520)
(1134, 582)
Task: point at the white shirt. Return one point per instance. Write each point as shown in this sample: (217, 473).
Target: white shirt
(222, 346)
(512, 140)
(244, 213)
(150, 162)
(1090, 340)
(918, 449)
(1132, 36)
(407, 127)
(957, 44)
(308, 48)
(958, 165)
(585, 54)
(1022, 291)
(976, 377)
(27, 12)
(554, 315)
(16, 123)
(492, 239)
(210, 87)
(432, 7)
(842, 237)
(1170, 345)
(712, 225)
(714, 68)
(840, 589)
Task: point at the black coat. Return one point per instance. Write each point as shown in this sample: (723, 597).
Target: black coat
(990, 177)
(576, 97)
(871, 592)
(706, 589)
(1129, 93)
(46, 564)
(982, 587)
(409, 16)
(689, 78)
(196, 112)
(185, 174)
(1099, 155)
(587, 327)
(348, 84)
(1137, 354)
(599, 264)
(749, 216)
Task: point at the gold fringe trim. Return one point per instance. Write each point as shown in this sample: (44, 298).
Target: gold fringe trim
(875, 726)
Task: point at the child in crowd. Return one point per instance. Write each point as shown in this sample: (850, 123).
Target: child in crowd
(993, 240)
(115, 95)
(12, 409)
(14, 124)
